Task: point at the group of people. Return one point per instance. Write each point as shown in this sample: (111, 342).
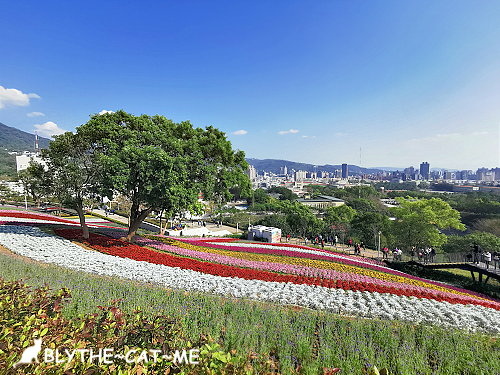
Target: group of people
(424, 254)
(397, 254)
(358, 247)
(485, 257)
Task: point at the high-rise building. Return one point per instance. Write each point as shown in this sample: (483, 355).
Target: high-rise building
(300, 175)
(424, 170)
(345, 171)
(251, 172)
(497, 173)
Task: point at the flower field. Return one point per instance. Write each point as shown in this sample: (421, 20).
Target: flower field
(284, 274)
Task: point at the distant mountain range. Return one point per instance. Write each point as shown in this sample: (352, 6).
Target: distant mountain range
(12, 139)
(275, 165)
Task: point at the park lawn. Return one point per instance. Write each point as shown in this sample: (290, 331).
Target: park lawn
(467, 274)
(293, 337)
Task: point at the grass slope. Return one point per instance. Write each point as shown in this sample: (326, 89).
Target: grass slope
(294, 337)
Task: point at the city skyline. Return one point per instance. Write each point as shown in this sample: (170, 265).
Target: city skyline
(324, 83)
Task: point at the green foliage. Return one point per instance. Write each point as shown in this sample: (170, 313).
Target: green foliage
(486, 241)
(7, 165)
(285, 194)
(277, 221)
(478, 204)
(418, 222)
(366, 225)
(361, 191)
(339, 215)
(363, 204)
(27, 315)
(259, 196)
(36, 181)
(300, 219)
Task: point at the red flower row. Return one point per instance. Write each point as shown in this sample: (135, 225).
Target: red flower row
(30, 215)
(36, 216)
(132, 251)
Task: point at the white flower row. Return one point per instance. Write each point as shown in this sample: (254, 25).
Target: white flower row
(33, 243)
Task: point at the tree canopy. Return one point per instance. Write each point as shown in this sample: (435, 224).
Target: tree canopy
(418, 222)
(74, 172)
(162, 165)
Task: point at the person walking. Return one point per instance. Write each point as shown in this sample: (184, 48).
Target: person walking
(487, 259)
(412, 252)
(496, 259)
(385, 252)
(475, 252)
(432, 254)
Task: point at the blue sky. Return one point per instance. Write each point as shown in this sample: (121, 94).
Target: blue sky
(310, 81)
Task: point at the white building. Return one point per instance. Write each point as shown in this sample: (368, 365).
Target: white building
(23, 161)
(269, 234)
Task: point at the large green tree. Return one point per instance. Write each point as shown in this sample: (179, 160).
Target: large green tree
(161, 165)
(418, 222)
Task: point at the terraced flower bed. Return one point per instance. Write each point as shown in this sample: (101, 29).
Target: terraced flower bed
(370, 292)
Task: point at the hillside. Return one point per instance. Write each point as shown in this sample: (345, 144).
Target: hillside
(274, 165)
(14, 139)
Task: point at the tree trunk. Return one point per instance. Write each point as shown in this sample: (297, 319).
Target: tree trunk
(135, 222)
(164, 227)
(161, 217)
(81, 215)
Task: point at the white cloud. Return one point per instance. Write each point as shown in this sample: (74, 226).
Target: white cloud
(35, 114)
(308, 136)
(240, 132)
(290, 131)
(49, 129)
(15, 97)
(104, 111)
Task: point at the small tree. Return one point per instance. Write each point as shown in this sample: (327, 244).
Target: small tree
(36, 181)
(367, 225)
(74, 171)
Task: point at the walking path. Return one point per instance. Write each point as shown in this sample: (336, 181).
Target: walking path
(212, 227)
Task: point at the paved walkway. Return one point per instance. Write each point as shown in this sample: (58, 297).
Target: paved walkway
(212, 227)
(368, 253)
